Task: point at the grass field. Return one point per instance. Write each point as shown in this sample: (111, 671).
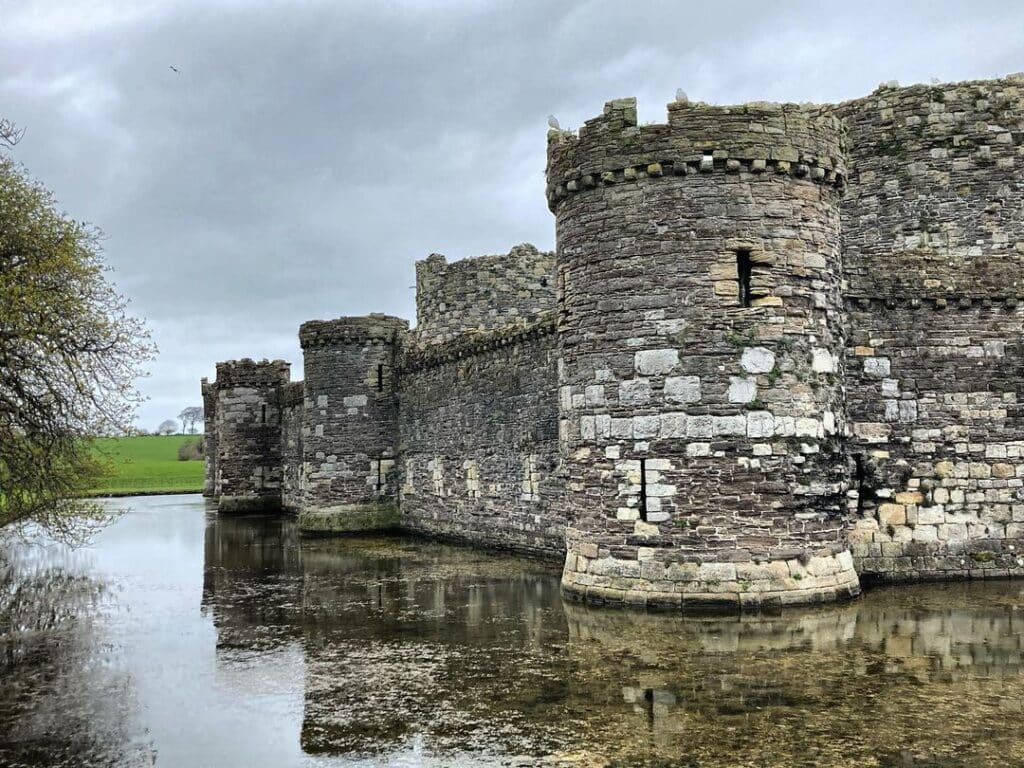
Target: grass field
(148, 464)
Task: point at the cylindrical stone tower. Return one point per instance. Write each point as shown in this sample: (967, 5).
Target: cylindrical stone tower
(700, 324)
(246, 467)
(350, 430)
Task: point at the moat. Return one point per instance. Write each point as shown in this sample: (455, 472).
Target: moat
(180, 637)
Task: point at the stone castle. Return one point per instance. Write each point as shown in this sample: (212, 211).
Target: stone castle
(778, 353)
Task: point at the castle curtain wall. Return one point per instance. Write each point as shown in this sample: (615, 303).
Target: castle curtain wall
(933, 236)
(479, 444)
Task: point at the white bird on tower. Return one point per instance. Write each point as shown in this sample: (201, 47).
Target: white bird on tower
(553, 123)
(681, 97)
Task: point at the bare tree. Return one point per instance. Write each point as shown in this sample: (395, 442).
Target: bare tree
(167, 427)
(189, 416)
(10, 134)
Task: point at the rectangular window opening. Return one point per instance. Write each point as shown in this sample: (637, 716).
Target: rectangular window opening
(743, 273)
(861, 479)
(380, 377)
(263, 414)
(643, 489)
(380, 475)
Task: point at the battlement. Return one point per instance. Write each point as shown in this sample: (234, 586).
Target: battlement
(805, 141)
(360, 328)
(482, 293)
(250, 373)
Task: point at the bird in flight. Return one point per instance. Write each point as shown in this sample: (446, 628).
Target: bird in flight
(174, 68)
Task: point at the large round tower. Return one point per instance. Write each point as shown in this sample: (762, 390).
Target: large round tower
(350, 429)
(700, 356)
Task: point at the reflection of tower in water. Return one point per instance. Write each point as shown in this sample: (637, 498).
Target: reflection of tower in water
(415, 642)
(741, 687)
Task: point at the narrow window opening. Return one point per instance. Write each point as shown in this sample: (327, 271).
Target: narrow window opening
(380, 476)
(263, 414)
(862, 490)
(649, 705)
(643, 489)
(380, 377)
(743, 271)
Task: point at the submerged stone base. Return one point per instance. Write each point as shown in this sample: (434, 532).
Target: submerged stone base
(249, 504)
(719, 586)
(349, 518)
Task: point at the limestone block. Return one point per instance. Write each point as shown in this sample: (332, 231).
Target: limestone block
(710, 572)
(634, 392)
(700, 426)
(822, 361)
(729, 425)
(892, 514)
(682, 389)
(742, 389)
(760, 424)
(656, 362)
(876, 367)
(646, 426)
(757, 360)
(673, 425)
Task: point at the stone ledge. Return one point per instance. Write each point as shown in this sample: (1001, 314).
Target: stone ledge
(823, 579)
(811, 171)
(937, 302)
(349, 518)
(248, 504)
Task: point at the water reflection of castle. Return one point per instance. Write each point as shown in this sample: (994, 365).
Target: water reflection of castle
(464, 651)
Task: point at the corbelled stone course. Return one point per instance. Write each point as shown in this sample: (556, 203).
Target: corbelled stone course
(779, 349)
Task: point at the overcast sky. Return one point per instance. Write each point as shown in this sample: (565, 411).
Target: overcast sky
(305, 154)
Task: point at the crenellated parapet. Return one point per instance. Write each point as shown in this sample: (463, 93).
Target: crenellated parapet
(482, 294)
(758, 138)
(387, 329)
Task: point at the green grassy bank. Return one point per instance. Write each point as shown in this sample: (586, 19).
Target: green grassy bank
(147, 464)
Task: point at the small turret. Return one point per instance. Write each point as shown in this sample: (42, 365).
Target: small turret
(244, 467)
(350, 427)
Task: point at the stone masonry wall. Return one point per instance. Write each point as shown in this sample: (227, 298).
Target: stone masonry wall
(350, 428)
(479, 441)
(248, 428)
(933, 225)
(486, 293)
(700, 438)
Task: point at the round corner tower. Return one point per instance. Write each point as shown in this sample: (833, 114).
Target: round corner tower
(700, 351)
(245, 464)
(350, 429)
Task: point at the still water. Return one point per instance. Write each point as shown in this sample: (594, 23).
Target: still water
(180, 638)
